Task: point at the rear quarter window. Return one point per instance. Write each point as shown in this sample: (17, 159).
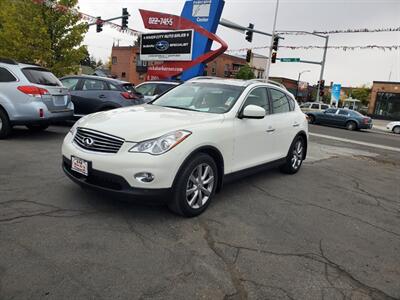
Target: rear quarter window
(6, 76)
(41, 76)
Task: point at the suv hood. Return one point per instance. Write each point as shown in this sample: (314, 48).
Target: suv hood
(142, 122)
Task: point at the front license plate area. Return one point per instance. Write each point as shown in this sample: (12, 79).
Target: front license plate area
(80, 165)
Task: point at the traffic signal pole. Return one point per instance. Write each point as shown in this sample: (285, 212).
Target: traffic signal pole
(321, 75)
(266, 75)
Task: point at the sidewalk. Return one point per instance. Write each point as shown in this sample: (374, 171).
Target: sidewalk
(380, 124)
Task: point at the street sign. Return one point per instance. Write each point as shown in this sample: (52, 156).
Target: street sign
(290, 59)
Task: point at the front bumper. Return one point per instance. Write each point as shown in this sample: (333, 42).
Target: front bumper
(114, 184)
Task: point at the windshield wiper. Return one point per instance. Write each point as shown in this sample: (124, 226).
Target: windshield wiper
(178, 107)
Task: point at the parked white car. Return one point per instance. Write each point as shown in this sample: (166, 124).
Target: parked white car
(314, 106)
(184, 145)
(394, 126)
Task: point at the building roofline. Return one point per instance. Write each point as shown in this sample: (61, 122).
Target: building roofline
(386, 82)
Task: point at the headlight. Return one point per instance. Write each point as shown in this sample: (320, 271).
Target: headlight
(161, 144)
(73, 128)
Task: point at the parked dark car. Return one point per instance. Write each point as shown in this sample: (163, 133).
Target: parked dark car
(350, 119)
(92, 93)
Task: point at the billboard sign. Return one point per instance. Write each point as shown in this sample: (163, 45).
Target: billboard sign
(167, 46)
(335, 94)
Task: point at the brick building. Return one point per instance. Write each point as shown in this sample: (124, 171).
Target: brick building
(385, 100)
(224, 65)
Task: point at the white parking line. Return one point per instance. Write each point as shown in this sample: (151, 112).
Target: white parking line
(355, 142)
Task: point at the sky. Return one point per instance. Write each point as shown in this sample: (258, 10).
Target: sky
(350, 68)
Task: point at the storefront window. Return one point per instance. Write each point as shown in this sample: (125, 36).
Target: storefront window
(387, 105)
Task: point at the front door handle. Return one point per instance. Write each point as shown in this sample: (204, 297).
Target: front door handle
(102, 96)
(270, 130)
(296, 124)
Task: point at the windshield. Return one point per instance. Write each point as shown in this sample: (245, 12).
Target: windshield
(41, 76)
(201, 96)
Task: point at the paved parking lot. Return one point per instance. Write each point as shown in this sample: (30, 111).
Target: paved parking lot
(332, 231)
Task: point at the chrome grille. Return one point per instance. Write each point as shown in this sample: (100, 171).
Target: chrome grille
(97, 141)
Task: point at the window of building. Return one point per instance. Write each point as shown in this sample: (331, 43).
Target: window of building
(388, 105)
(214, 69)
(280, 103)
(6, 76)
(123, 75)
(114, 60)
(226, 70)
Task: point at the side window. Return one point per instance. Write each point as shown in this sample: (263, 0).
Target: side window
(331, 111)
(70, 83)
(94, 85)
(343, 112)
(258, 97)
(161, 88)
(324, 106)
(280, 103)
(6, 76)
(315, 106)
(113, 87)
(146, 89)
(292, 104)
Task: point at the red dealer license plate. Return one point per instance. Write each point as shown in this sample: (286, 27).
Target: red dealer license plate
(80, 165)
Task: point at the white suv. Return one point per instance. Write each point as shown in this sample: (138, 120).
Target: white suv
(185, 144)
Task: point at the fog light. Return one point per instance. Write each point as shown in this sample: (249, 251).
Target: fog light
(144, 177)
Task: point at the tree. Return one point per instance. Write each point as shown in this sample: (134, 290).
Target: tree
(245, 72)
(362, 93)
(34, 32)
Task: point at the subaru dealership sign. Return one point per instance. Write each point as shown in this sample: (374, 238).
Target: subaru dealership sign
(167, 46)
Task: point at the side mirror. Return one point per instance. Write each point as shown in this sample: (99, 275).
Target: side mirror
(253, 112)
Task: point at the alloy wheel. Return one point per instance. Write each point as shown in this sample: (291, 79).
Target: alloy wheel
(200, 186)
(297, 154)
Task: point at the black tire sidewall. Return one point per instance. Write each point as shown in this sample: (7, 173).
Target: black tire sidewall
(354, 125)
(179, 203)
(287, 167)
(6, 126)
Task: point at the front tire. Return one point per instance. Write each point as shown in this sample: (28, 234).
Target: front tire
(195, 186)
(5, 126)
(295, 156)
(396, 129)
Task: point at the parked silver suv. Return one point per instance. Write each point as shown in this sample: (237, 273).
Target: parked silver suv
(30, 95)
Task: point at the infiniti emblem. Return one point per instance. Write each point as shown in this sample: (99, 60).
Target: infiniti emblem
(88, 142)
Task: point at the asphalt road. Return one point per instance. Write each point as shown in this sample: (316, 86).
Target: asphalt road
(332, 231)
(369, 136)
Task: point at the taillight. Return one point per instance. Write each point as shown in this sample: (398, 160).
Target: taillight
(32, 90)
(366, 120)
(129, 96)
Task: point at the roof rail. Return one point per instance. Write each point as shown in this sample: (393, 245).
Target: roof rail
(270, 82)
(205, 77)
(8, 61)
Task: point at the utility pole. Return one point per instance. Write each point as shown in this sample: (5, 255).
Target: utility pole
(272, 41)
(321, 75)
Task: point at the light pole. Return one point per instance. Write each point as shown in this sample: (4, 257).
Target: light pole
(298, 81)
(272, 40)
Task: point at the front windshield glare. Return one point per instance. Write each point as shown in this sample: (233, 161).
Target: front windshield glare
(200, 96)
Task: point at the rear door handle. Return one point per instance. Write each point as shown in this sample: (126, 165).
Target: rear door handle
(102, 96)
(296, 124)
(270, 130)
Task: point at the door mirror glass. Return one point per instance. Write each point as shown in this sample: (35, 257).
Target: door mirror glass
(253, 112)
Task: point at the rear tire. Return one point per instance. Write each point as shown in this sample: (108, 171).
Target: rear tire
(351, 126)
(396, 129)
(195, 186)
(5, 125)
(295, 156)
(37, 128)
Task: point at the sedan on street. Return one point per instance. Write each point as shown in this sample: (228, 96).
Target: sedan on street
(92, 93)
(186, 143)
(349, 119)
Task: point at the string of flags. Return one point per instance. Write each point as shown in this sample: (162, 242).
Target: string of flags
(83, 16)
(344, 48)
(359, 30)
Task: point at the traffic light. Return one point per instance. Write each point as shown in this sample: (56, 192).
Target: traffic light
(249, 34)
(99, 24)
(125, 15)
(273, 57)
(275, 43)
(248, 55)
(321, 86)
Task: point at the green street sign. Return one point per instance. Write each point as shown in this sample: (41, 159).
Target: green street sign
(290, 59)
